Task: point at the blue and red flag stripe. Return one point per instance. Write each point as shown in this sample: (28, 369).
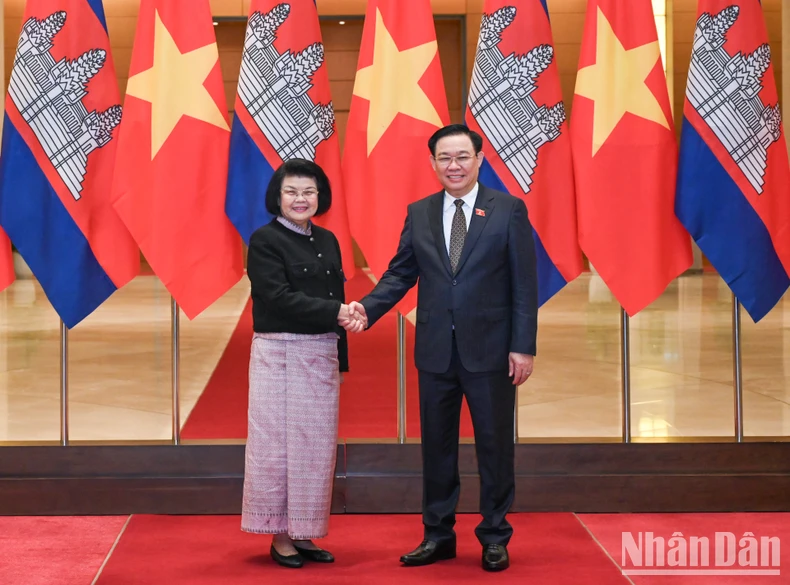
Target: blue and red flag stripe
(733, 179)
(251, 167)
(60, 219)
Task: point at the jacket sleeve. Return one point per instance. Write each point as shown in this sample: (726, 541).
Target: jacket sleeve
(400, 276)
(342, 342)
(266, 271)
(524, 281)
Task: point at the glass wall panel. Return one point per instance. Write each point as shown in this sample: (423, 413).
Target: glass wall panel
(120, 364)
(119, 367)
(575, 388)
(766, 372)
(680, 362)
(29, 364)
(216, 340)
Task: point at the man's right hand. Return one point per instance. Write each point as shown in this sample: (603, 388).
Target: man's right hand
(357, 313)
(352, 317)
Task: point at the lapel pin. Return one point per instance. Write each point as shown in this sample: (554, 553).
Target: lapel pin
(480, 212)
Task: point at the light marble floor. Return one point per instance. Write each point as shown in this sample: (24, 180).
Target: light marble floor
(681, 364)
(119, 363)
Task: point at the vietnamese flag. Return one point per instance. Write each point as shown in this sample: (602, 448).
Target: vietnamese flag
(625, 155)
(171, 174)
(398, 102)
(6, 262)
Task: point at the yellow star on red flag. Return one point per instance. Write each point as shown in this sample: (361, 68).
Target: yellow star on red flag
(616, 82)
(174, 85)
(392, 83)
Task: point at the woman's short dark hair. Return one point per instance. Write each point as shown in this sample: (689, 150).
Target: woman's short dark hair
(298, 167)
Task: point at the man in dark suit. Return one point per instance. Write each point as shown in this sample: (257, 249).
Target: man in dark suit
(472, 250)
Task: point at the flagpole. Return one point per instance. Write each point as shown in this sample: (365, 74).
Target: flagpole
(64, 384)
(737, 370)
(515, 420)
(175, 339)
(625, 362)
(401, 378)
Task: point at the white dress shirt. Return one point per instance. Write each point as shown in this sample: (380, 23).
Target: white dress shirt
(449, 212)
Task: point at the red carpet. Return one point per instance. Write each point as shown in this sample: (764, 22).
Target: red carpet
(55, 550)
(609, 528)
(547, 549)
(221, 410)
(368, 398)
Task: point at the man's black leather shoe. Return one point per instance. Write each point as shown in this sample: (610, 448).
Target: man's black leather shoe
(495, 557)
(429, 552)
(290, 561)
(318, 555)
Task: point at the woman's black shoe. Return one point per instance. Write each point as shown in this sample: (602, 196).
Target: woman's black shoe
(290, 561)
(316, 555)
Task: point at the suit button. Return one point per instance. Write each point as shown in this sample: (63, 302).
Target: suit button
(455, 282)
(328, 272)
(320, 255)
(331, 295)
(312, 239)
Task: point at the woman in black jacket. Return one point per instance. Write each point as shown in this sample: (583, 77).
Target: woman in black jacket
(299, 352)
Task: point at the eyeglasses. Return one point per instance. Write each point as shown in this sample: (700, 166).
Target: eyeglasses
(294, 194)
(461, 159)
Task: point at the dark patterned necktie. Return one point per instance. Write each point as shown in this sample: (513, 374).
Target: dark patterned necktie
(457, 234)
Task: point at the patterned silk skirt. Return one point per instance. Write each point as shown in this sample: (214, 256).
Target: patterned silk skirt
(292, 434)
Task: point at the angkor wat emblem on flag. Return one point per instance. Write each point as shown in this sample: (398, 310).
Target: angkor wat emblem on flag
(49, 94)
(725, 91)
(500, 98)
(273, 87)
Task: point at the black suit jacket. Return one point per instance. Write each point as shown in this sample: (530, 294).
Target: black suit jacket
(491, 300)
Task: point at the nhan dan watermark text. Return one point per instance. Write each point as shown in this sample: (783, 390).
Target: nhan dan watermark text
(724, 553)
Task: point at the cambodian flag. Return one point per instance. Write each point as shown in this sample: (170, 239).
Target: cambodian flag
(734, 180)
(58, 157)
(515, 103)
(283, 111)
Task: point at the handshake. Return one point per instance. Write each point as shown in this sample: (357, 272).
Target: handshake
(352, 317)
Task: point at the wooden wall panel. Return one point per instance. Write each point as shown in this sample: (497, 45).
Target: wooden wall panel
(121, 8)
(567, 26)
(472, 32)
(13, 9)
(230, 39)
(450, 37)
(12, 24)
(386, 478)
(227, 7)
(341, 43)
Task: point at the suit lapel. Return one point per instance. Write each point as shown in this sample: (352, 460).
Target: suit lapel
(484, 208)
(436, 220)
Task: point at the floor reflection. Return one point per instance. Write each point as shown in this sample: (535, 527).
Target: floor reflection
(119, 362)
(681, 364)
